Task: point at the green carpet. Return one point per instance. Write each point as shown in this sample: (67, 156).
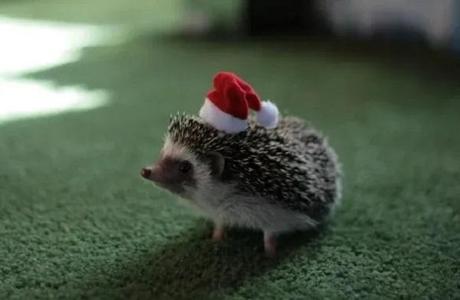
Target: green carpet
(76, 220)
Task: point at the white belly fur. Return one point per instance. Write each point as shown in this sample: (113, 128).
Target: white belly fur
(225, 207)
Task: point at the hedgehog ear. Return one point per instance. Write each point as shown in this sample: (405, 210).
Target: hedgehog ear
(216, 162)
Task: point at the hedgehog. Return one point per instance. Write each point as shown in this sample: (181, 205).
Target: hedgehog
(274, 174)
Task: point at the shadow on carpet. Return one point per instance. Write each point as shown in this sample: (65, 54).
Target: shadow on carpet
(197, 267)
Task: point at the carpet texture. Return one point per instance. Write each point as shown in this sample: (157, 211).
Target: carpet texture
(77, 221)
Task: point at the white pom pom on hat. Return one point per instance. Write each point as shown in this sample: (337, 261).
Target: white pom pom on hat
(268, 115)
(226, 107)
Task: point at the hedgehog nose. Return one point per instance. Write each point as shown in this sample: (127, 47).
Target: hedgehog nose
(146, 172)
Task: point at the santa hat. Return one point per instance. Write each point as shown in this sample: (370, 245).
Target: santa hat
(226, 107)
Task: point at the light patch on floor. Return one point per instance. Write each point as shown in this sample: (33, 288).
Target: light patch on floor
(30, 46)
(22, 98)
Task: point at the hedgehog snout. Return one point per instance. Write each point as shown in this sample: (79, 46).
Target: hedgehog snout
(146, 172)
(152, 173)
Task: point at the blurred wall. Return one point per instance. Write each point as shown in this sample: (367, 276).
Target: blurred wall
(434, 21)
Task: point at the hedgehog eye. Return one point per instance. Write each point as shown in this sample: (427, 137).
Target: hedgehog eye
(185, 166)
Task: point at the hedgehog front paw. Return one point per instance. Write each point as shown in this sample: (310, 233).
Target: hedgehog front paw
(218, 233)
(270, 244)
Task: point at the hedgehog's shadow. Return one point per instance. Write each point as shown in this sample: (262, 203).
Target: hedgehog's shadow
(196, 267)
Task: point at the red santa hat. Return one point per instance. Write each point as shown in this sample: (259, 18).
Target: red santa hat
(226, 107)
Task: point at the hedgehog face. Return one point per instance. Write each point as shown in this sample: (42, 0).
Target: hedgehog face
(181, 171)
(174, 171)
(171, 174)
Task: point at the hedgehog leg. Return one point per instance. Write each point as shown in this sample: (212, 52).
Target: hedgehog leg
(218, 232)
(270, 244)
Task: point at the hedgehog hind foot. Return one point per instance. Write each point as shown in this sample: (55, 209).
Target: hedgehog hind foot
(270, 244)
(218, 233)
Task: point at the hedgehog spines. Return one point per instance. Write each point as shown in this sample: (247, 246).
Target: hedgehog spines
(290, 165)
